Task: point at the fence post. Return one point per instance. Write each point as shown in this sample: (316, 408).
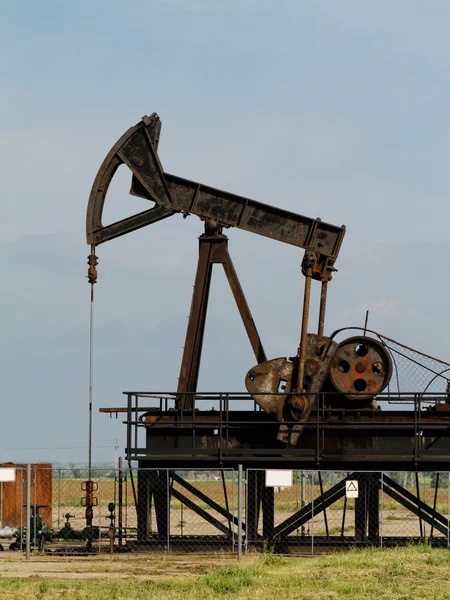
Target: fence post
(34, 508)
(448, 511)
(233, 525)
(312, 510)
(168, 509)
(59, 498)
(99, 513)
(246, 509)
(424, 480)
(28, 509)
(303, 503)
(381, 509)
(239, 512)
(22, 475)
(120, 500)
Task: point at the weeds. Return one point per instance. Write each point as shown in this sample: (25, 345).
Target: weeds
(268, 558)
(232, 579)
(419, 572)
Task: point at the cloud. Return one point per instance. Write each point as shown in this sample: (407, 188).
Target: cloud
(385, 307)
(381, 313)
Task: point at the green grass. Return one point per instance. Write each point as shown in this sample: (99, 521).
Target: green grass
(413, 573)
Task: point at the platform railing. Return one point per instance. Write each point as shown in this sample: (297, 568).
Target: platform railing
(425, 416)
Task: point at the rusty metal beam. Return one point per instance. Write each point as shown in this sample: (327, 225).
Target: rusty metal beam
(244, 309)
(322, 308)
(418, 508)
(192, 352)
(312, 509)
(206, 499)
(200, 511)
(137, 149)
(278, 224)
(213, 250)
(414, 499)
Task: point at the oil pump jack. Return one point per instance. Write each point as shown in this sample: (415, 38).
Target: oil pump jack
(320, 407)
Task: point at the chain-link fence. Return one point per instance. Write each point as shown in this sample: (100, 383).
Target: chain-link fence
(64, 512)
(415, 373)
(323, 510)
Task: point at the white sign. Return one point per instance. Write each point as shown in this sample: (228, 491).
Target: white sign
(351, 489)
(278, 478)
(7, 474)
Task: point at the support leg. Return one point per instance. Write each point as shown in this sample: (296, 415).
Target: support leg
(373, 501)
(244, 309)
(152, 490)
(361, 509)
(190, 364)
(213, 250)
(254, 493)
(161, 500)
(144, 505)
(268, 510)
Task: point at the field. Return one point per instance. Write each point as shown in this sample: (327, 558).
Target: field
(395, 520)
(398, 574)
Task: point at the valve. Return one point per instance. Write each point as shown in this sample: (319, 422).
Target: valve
(112, 525)
(68, 516)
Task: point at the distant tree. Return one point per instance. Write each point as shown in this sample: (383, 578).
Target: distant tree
(443, 479)
(76, 472)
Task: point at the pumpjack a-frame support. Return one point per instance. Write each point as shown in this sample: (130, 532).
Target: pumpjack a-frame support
(153, 487)
(213, 250)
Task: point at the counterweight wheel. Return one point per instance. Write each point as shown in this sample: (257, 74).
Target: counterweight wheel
(361, 368)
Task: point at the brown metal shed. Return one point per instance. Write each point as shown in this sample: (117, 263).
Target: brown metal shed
(13, 494)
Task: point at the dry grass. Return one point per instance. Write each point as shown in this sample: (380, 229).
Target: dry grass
(397, 574)
(395, 520)
(285, 499)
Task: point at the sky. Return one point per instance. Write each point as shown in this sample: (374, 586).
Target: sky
(336, 110)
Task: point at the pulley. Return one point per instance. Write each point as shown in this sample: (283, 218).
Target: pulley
(361, 368)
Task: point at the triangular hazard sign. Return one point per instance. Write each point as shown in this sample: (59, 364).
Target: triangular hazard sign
(351, 487)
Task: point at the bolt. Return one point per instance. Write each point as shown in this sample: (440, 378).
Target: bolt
(299, 403)
(138, 161)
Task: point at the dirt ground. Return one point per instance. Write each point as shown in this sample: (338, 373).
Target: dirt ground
(124, 566)
(116, 567)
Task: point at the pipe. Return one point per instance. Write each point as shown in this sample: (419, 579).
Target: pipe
(120, 501)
